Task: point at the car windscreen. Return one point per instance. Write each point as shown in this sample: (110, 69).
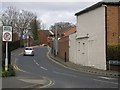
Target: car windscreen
(28, 49)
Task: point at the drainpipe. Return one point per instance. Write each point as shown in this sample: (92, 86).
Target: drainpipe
(106, 29)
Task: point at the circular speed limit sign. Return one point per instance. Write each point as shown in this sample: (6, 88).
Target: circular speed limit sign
(7, 36)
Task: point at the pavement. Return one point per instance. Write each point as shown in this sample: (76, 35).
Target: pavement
(24, 81)
(86, 69)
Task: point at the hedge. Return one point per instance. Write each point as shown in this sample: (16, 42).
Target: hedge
(113, 52)
(12, 46)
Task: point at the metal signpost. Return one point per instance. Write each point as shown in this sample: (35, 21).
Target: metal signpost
(7, 37)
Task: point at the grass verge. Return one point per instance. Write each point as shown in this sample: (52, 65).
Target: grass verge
(10, 72)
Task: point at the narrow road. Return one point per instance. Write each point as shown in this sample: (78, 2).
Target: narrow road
(59, 76)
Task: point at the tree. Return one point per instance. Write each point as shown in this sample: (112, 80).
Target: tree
(19, 19)
(60, 27)
(10, 17)
(39, 24)
(34, 28)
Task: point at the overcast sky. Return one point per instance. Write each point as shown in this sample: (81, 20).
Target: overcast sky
(51, 12)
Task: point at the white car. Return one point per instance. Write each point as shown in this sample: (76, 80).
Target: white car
(29, 51)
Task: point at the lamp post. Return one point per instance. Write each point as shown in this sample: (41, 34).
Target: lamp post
(28, 37)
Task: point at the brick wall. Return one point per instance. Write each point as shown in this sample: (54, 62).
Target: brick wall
(64, 48)
(43, 37)
(113, 30)
(112, 24)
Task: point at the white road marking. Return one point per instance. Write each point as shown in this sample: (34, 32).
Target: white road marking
(105, 81)
(43, 68)
(64, 74)
(36, 62)
(39, 65)
(108, 78)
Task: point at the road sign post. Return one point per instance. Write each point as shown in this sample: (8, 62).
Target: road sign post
(7, 37)
(7, 33)
(6, 58)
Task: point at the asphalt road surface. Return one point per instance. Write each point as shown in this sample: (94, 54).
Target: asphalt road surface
(61, 77)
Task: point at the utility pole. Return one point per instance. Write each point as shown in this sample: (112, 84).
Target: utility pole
(27, 40)
(56, 41)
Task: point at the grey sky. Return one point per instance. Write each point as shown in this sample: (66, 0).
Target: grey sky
(51, 12)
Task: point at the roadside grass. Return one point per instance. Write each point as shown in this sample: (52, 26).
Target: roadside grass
(9, 73)
(0, 72)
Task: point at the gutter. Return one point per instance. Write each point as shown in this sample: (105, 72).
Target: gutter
(99, 4)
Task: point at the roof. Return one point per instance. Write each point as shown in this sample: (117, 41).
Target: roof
(99, 4)
(70, 31)
(45, 31)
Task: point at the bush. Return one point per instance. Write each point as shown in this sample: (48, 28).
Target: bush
(113, 52)
(10, 72)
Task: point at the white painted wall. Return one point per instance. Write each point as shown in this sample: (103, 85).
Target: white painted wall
(93, 23)
(93, 53)
(72, 48)
(82, 51)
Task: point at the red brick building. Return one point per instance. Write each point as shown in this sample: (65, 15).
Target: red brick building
(63, 50)
(113, 30)
(113, 24)
(69, 31)
(44, 36)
